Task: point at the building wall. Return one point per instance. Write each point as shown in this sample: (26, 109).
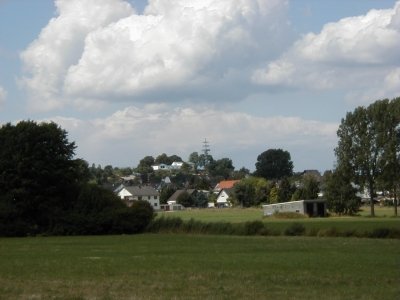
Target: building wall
(294, 206)
(124, 193)
(312, 208)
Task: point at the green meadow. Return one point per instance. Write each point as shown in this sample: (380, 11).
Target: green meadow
(172, 266)
(360, 223)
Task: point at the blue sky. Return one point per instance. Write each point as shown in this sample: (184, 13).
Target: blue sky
(128, 79)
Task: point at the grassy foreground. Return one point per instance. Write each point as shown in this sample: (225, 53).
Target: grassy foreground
(154, 266)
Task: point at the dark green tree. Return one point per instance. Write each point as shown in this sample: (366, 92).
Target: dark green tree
(274, 164)
(243, 194)
(340, 194)
(194, 159)
(38, 176)
(251, 191)
(145, 168)
(310, 187)
(222, 168)
(390, 142)
(185, 199)
(200, 200)
(285, 190)
(166, 192)
(168, 160)
(241, 174)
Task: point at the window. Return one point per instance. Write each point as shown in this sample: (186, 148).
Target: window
(139, 197)
(155, 204)
(155, 197)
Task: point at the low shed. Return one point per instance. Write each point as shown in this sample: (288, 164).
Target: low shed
(312, 208)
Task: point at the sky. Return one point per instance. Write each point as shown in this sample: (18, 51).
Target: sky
(127, 79)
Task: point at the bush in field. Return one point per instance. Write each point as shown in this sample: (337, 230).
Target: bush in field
(253, 228)
(382, 233)
(132, 219)
(295, 229)
(165, 224)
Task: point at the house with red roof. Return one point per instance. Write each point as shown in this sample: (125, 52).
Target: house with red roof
(225, 184)
(224, 190)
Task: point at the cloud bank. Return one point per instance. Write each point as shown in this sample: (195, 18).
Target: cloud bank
(132, 133)
(360, 55)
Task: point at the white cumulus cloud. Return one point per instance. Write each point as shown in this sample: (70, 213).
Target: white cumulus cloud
(60, 44)
(360, 54)
(3, 95)
(174, 50)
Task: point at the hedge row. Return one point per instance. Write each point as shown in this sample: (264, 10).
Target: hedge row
(177, 225)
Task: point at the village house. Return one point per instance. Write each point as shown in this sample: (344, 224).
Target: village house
(176, 165)
(128, 194)
(223, 190)
(224, 184)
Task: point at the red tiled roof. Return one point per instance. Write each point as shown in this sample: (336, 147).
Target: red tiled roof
(226, 184)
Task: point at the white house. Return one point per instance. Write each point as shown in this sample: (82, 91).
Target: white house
(160, 167)
(134, 193)
(223, 198)
(312, 208)
(176, 165)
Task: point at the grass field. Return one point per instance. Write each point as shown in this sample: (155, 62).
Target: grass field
(154, 266)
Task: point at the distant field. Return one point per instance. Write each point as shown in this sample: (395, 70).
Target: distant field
(236, 215)
(154, 266)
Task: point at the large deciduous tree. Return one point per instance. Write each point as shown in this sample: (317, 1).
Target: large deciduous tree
(38, 176)
(251, 191)
(221, 168)
(368, 148)
(274, 164)
(390, 162)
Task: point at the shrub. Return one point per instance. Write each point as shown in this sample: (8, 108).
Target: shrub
(133, 219)
(253, 228)
(380, 233)
(295, 229)
(330, 232)
(165, 224)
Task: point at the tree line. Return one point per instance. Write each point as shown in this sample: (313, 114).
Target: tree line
(368, 156)
(44, 190)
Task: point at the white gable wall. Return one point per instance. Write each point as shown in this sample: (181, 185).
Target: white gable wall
(124, 193)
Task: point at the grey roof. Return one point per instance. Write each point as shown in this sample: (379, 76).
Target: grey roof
(142, 190)
(177, 193)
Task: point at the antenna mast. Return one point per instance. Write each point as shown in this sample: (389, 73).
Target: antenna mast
(206, 152)
(206, 147)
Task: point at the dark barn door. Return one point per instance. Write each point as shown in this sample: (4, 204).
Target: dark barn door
(309, 209)
(321, 209)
